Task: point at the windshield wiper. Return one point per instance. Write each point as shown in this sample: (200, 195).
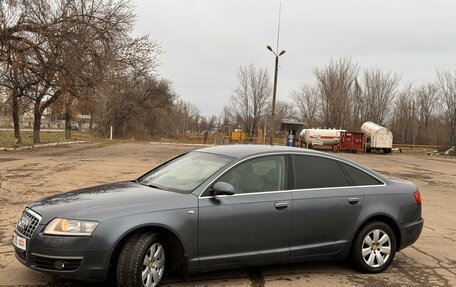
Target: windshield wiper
(152, 185)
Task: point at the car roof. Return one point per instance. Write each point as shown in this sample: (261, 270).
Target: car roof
(245, 150)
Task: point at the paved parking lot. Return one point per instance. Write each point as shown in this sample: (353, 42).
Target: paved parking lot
(29, 175)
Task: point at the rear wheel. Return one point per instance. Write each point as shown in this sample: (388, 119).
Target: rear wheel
(374, 248)
(141, 261)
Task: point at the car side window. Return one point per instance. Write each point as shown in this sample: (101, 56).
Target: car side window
(317, 172)
(257, 175)
(359, 177)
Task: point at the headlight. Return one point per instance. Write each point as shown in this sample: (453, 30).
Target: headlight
(70, 227)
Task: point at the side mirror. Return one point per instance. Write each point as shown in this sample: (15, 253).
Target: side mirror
(223, 188)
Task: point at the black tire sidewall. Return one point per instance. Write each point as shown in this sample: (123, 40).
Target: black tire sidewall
(135, 251)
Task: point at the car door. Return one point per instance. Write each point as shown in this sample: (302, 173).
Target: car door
(325, 206)
(253, 225)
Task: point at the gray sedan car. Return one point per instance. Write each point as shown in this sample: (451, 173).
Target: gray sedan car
(222, 207)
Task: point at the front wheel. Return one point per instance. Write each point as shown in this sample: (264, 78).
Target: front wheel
(374, 248)
(141, 261)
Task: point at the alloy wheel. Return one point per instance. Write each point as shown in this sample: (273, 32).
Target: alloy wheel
(153, 265)
(376, 248)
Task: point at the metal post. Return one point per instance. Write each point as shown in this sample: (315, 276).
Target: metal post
(274, 92)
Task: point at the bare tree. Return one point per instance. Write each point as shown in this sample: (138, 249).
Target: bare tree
(207, 124)
(226, 118)
(335, 84)
(378, 90)
(189, 112)
(426, 98)
(17, 76)
(446, 81)
(251, 98)
(68, 45)
(136, 104)
(307, 102)
(404, 118)
(284, 111)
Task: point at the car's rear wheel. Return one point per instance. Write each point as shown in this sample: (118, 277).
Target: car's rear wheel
(141, 261)
(374, 248)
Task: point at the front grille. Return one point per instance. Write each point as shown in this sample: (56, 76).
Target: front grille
(28, 223)
(51, 263)
(21, 254)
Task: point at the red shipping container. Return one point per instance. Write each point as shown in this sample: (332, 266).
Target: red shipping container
(352, 141)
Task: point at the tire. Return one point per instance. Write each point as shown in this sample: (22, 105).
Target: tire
(374, 248)
(143, 254)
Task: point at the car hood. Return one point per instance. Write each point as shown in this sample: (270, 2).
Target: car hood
(110, 201)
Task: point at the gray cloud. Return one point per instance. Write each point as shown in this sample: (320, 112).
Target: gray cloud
(206, 41)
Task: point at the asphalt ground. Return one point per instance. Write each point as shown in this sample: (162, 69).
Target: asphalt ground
(29, 175)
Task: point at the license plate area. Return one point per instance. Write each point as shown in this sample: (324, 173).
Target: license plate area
(19, 242)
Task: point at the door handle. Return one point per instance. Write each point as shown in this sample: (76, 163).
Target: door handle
(353, 200)
(281, 205)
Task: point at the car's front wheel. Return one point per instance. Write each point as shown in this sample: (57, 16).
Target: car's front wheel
(141, 261)
(374, 248)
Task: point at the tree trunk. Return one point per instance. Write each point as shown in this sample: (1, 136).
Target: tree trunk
(17, 128)
(36, 125)
(67, 125)
(91, 122)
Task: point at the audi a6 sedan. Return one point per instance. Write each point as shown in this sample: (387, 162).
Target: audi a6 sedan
(222, 207)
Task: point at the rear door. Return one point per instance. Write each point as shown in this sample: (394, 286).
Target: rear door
(252, 225)
(325, 206)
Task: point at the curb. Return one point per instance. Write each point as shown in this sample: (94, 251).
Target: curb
(181, 144)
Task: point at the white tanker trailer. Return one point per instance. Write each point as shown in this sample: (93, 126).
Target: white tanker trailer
(378, 137)
(310, 138)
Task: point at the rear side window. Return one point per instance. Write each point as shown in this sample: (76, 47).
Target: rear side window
(359, 177)
(317, 172)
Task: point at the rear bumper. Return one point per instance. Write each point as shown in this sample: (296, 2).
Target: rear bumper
(410, 233)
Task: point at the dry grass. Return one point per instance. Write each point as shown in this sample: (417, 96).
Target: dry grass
(7, 137)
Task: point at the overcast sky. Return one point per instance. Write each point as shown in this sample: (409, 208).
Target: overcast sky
(205, 42)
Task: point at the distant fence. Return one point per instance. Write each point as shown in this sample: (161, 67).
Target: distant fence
(28, 124)
(219, 139)
(222, 139)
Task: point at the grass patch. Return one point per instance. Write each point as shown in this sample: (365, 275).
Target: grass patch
(7, 137)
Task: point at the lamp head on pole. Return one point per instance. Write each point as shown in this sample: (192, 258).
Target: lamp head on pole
(281, 53)
(269, 48)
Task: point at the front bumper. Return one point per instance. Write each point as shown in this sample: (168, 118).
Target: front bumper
(410, 233)
(64, 256)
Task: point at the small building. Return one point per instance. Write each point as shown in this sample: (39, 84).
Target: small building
(293, 129)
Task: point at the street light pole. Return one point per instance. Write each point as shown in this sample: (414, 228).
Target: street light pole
(276, 70)
(274, 92)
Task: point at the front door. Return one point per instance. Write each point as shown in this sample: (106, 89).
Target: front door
(252, 225)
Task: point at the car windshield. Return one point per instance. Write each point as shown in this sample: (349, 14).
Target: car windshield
(185, 173)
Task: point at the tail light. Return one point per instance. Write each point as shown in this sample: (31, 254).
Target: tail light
(417, 197)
